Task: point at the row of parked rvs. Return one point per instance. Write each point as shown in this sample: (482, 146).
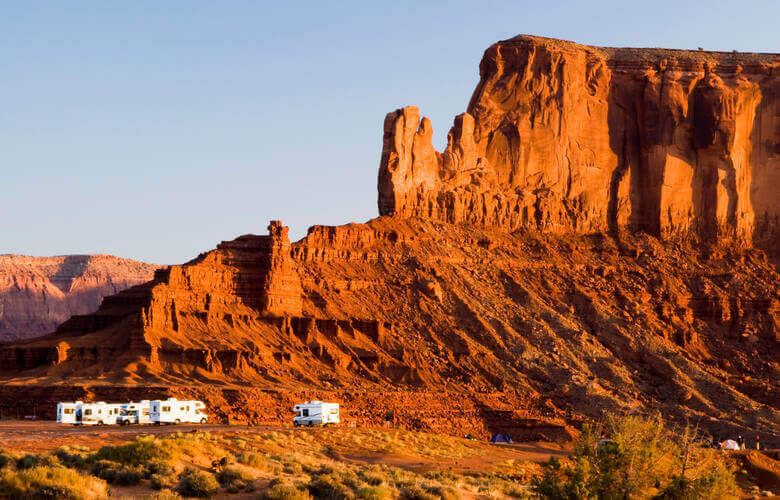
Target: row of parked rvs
(158, 411)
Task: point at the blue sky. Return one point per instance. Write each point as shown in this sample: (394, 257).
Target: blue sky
(154, 130)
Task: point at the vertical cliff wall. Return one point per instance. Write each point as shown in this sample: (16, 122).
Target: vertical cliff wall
(563, 137)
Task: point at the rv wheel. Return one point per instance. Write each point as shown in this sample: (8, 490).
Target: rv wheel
(202, 420)
(177, 421)
(100, 422)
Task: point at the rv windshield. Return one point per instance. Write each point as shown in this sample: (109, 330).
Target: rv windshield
(129, 413)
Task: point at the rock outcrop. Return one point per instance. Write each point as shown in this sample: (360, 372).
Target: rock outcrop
(39, 293)
(620, 160)
(568, 138)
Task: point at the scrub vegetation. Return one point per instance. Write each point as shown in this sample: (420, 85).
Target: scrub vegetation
(628, 457)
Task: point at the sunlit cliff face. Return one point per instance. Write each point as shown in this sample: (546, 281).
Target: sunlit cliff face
(564, 137)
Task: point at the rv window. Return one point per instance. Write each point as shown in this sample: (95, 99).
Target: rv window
(68, 411)
(87, 412)
(188, 408)
(306, 412)
(100, 411)
(166, 408)
(146, 412)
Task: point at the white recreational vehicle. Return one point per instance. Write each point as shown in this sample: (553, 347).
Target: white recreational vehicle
(100, 413)
(316, 413)
(173, 411)
(135, 413)
(69, 413)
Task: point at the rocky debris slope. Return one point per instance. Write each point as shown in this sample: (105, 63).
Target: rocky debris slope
(39, 293)
(561, 326)
(566, 138)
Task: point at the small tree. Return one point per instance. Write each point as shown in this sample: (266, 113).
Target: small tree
(639, 458)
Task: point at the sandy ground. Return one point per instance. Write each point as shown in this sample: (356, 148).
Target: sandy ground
(41, 436)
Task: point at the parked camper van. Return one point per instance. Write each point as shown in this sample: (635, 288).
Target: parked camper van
(135, 413)
(69, 413)
(173, 411)
(100, 413)
(316, 413)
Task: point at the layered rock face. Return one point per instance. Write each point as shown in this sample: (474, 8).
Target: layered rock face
(446, 315)
(568, 138)
(39, 293)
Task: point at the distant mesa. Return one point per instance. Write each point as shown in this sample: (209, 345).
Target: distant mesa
(39, 293)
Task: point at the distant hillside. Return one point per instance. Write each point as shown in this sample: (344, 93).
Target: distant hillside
(39, 293)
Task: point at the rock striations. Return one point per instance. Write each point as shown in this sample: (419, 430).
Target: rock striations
(540, 272)
(567, 138)
(39, 293)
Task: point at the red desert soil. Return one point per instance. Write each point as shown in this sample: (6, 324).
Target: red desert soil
(599, 236)
(40, 437)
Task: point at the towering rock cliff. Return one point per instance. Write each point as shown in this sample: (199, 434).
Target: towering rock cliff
(39, 293)
(568, 138)
(440, 313)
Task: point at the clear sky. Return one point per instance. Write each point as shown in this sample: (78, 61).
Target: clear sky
(154, 130)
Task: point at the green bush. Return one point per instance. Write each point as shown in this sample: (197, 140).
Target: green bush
(114, 473)
(329, 486)
(159, 467)
(194, 483)
(235, 479)
(69, 459)
(144, 449)
(640, 457)
(162, 481)
(416, 493)
(29, 461)
(375, 493)
(285, 492)
(163, 495)
(50, 482)
(7, 458)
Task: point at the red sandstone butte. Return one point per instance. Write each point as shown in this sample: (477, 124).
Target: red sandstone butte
(568, 138)
(591, 241)
(39, 293)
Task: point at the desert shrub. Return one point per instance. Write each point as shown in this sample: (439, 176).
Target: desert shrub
(69, 459)
(162, 481)
(159, 467)
(416, 493)
(639, 458)
(375, 492)
(443, 492)
(118, 474)
(235, 479)
(29, 461)
(292, 468)
(194, 483)
(329, 486)
(285, 492)
(163, 495)
(50, 482)
(138, 452)
(7, 458)
(516, 491)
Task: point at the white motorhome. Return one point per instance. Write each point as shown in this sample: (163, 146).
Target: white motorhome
(135, 413)
(173, 411)
(100, 413)
(316, 413)
(69, 413)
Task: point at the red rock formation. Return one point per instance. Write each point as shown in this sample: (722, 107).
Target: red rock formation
(39, 293)
(565, 324)
(565, 138)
